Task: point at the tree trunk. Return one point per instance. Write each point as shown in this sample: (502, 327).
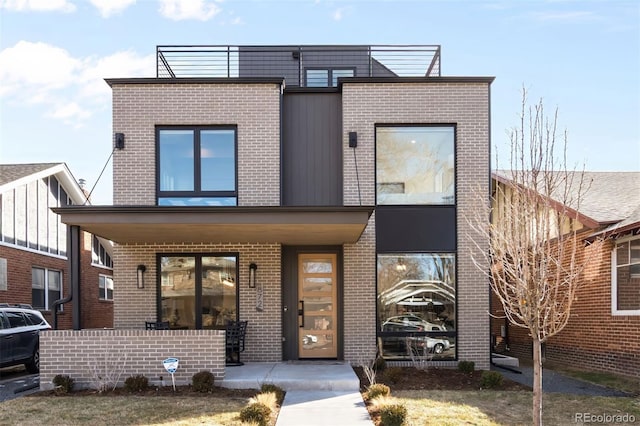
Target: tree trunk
(537, 382)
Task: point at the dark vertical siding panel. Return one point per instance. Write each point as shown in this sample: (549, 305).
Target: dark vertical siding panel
(312, 149)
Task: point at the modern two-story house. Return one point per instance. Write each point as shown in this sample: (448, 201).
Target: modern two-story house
(315, 191)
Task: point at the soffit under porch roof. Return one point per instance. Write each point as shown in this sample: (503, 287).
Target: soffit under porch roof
(177, 224)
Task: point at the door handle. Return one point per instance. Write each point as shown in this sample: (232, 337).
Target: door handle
(301, 312)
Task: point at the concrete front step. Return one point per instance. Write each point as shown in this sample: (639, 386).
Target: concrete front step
(303, 376)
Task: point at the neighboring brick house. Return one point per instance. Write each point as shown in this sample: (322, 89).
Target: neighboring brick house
(603, 332)
(34, 256)
(314, 191)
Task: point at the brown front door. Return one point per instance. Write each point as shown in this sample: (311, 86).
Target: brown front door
(317, 305)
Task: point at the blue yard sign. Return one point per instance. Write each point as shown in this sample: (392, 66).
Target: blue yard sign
(171, 365)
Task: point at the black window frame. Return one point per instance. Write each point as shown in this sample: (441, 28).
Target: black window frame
(330, 71)
(198, 280)
(197, 181)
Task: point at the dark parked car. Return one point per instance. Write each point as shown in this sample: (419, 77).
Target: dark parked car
(20, 327)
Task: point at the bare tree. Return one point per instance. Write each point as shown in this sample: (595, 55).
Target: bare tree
(534, 234)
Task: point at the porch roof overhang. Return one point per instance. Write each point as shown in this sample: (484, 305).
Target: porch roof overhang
(178, 224)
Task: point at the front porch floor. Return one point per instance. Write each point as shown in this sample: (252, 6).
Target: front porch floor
(293, 375)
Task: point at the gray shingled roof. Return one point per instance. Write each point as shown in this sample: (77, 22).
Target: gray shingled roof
(12, 172)
(611, 198)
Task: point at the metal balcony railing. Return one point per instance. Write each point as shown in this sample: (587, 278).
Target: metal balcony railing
(294, 63)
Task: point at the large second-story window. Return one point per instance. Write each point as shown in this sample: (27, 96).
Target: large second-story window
(197, 166)
(415, 165)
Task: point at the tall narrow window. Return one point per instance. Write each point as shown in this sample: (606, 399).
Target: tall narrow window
(105, 286)
(415, 165)
(197, 166)
(198, 291)
(626, 278)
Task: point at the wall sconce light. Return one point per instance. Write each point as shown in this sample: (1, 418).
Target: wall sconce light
(119, 140)
(252, 275)
(141, 270)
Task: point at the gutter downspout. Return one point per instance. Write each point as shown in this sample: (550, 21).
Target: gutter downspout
(73, 245)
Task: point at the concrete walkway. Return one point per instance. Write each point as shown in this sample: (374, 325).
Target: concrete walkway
(318, 393)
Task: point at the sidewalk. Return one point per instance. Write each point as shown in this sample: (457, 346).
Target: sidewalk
(318, 393)
(554, 382)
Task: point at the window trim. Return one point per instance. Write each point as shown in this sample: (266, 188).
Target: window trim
(197, 166)
(198, 283)
(100, 293)
(453, 126)
(614, 280)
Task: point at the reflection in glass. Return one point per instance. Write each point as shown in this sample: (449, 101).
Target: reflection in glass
(415, 165)
(317, 284)
(217, 284)
(416, 301)
(317, 267)
(218, 164)
(176, 160)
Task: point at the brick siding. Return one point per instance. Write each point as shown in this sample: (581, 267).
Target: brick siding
(254, 108)
(80, 354)
(465, 104)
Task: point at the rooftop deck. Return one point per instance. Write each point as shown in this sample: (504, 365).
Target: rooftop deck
(299, 65)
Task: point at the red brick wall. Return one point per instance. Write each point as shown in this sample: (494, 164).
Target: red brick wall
(594, 338)
(95, 313)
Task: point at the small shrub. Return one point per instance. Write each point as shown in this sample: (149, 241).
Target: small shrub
(393, 415)
(63, 384)
(265, 398)
(467, 366)
(376, 390)
(268, 387)
(256, 413)
(202, 381)
(137, 383)
(392, 374)
(491, 379)
(380, 364)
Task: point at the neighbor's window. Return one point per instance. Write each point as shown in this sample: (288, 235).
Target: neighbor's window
(197, 166)
(105, 285)
(417, 305)
(415, 165)
(626, 277)
(99, 254)
(326, 77)
(198, 291)
(46, 287)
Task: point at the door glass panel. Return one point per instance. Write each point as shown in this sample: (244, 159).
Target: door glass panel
(316, 266)
(311, 284)
(317, 298)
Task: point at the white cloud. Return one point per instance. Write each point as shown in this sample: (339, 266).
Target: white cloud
(38, 5)
(108, 8)
(338, 13)
(179, 10)
(69, 88)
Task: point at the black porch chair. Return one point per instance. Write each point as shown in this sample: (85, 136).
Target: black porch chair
(156, 325)
(235, 334)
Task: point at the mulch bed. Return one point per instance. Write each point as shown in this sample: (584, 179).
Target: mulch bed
(410, 378)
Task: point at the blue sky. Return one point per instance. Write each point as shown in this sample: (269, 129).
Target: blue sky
(580, 56)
